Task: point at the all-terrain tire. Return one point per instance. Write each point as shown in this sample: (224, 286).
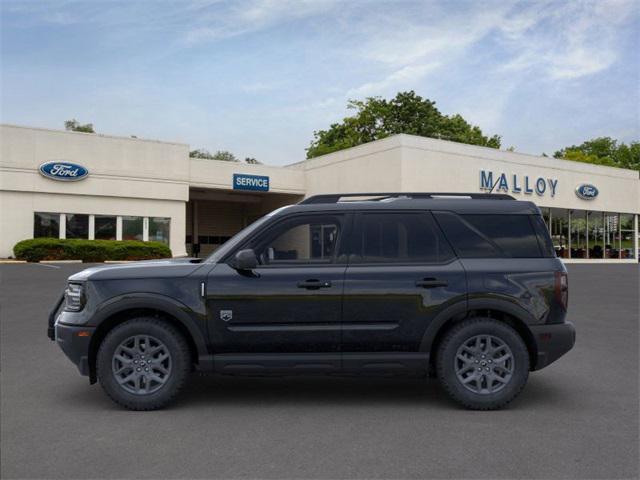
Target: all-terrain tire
(157, 377)
(475, 377)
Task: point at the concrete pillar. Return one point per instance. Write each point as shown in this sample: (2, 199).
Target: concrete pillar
(118, 227)
(92, 227)
(145, 229)
(63, 225)
(635, 237)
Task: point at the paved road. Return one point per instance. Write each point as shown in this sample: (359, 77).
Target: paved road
(576, 419)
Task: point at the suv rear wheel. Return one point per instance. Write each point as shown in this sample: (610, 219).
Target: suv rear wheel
(143, 363)
(482, 363)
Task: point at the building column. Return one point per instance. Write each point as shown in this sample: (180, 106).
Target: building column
(635, 237)
(569, 213)
(92, 227)
(194, 227)
(63, 225)
(586, 233)
(145, 229)
(118, 227)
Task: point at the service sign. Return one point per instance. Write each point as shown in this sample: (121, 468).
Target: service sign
(63, 171)
(586, 191)
(256, 183)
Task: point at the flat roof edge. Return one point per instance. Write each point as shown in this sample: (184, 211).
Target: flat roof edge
(117, 137)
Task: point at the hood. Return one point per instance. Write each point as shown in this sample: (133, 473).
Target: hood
(164, 268)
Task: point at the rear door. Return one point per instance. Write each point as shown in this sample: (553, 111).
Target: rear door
(401, 274)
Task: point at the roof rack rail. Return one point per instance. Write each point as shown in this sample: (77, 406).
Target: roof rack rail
(377, 196)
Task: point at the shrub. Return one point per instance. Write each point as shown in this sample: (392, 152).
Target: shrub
(36, 249)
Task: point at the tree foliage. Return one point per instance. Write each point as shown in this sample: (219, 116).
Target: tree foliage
(74, 126)
(219, 155)
(377, 118)
(252, 161)
(604, 151)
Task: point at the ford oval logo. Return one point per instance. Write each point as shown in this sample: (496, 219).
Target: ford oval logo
(64, 171)
(586, 191)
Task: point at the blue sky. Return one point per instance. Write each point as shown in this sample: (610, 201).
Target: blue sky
(257, 77)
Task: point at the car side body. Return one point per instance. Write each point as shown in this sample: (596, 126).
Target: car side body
(382, 283)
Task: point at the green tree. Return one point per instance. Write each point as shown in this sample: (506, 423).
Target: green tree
(604, 151)
(377, 118)
(219, 155)
(74, 126)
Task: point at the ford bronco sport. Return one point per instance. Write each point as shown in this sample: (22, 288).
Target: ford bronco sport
(463, 286)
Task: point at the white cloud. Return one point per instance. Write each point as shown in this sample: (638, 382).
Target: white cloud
(405, 77)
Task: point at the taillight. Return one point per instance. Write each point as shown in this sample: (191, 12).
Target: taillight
(562, 289)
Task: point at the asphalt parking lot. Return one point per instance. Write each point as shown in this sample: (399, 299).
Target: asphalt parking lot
(576, 419)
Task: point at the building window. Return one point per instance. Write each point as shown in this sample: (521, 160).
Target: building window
(596, 235)
(611, 235)
(77, 226)
(560, 232)
(46, 225)
(105, 227)
(578, 234)
(132, 228)
(626, 236)
(159, 229)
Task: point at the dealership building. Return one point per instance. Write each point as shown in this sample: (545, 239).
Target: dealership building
(78, 185)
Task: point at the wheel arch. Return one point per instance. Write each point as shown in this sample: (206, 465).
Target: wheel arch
(120, 310)
(498, 309)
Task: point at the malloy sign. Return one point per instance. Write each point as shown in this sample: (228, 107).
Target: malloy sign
(515, 183)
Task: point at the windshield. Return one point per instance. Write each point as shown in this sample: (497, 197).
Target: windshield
(239, 237)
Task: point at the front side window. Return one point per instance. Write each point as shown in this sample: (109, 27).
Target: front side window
(46, 225)
(77, 226)
(300, 240)
(132, 228)
(399, 238)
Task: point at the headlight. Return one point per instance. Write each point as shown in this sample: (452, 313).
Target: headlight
(74, 297)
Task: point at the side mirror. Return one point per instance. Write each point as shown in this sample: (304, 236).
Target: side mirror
(245, 260)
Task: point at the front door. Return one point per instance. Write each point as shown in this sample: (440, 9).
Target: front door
(291, 303)
(401, 274)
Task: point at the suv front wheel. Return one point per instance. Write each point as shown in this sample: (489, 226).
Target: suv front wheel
(143, 363)
(482, 363)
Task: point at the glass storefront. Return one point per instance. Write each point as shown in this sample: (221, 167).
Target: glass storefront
(105, 227)
(46, 225)
(132, 228)
(590, 234)
(159, 229)
(77, 226)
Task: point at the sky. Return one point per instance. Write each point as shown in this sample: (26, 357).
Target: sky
(258, 77)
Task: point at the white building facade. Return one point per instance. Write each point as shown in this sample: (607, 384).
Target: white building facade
(76, 185)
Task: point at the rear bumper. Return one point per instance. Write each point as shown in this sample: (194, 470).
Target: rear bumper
(552, 341)
(74, 342)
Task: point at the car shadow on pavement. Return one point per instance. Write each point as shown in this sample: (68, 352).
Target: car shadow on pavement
(225, 391)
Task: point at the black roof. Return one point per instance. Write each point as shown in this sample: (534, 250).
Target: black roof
(454, 202)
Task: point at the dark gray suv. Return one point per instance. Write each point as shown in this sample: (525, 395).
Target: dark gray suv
(463, 286)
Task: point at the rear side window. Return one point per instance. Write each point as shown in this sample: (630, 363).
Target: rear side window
(544, 240)
(491, 236)
(399, 237)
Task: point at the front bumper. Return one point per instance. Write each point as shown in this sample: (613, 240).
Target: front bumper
(552, 341)
(74, 341)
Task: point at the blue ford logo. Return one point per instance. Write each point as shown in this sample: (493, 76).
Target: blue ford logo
(586, 191)
(64, 171)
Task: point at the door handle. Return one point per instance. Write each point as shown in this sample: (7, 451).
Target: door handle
(313, 284)
(431, 283)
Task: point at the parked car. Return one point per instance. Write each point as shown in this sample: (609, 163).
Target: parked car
(466, 286)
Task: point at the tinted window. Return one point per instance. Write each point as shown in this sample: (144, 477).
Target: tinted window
(46, 225)
(300, 240)
(132, 228)
(77, 226)
(488, 236)
(399, 238)
(544, 240)
(105, 227)
(159, 229)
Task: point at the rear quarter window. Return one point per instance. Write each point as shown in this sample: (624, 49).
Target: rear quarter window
(491, 235)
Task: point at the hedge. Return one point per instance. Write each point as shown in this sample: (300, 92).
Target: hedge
(36, 249)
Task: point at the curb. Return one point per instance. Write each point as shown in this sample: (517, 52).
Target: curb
(60, 261)
(8, 261)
